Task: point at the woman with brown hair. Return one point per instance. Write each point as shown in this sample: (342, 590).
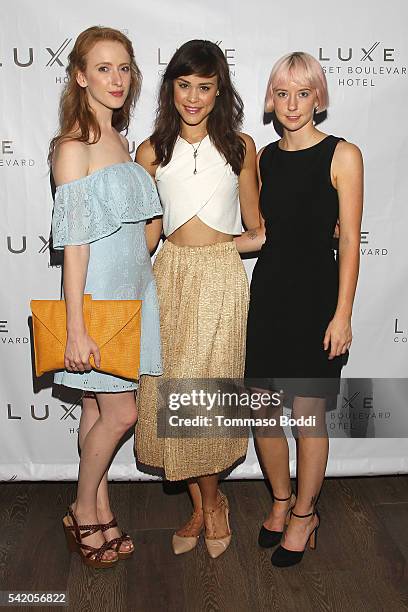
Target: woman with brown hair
(102, 202)
(201, 163)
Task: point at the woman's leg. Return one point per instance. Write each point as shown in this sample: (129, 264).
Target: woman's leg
(195, 524)
(273, 451)
(117, 414)
(274, 457)
(89, 415)
(215, 524)
(312, 451)
(205, 497)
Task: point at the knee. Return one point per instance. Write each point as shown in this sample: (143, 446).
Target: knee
(122, 421)
(319, 430)
(127, 420)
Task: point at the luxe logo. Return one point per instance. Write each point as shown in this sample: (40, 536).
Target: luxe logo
(364, 250)
(346, 55)
(401, 335)
(360, 67)
(21, 247)
(55, 56)
(364, 237)
(6, 147)
(42, 413)
(36, 414)
(8, 158)
(24, 58)
(69, 412)
(9, 340)
(228, 52)
(367, 401)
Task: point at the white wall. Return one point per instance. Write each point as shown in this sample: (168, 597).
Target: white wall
(368, 106)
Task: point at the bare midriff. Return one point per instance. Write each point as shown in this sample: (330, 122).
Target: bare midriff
(197, 233)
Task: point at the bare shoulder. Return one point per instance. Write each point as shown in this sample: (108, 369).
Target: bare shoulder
(145, 149)
(70, 161)
(346, 154)
(146, 156)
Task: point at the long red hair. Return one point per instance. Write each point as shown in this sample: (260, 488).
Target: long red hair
(77, 121)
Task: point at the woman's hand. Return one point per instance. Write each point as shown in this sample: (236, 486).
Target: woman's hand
(250, 241)
(78, 349)
(338, 336)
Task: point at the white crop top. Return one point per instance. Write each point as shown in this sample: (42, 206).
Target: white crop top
(211, 194)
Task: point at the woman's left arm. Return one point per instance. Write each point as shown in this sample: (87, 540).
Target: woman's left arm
(347, 171)
(248, 186)
(249, 201)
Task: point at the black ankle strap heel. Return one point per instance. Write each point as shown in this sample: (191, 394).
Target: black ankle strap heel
(268, 538)
(302, 515)
(282, 557)
(283, 498)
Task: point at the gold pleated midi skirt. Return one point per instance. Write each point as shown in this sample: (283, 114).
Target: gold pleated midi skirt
(203, 296)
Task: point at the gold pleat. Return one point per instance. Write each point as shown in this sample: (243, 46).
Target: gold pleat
(203, 296)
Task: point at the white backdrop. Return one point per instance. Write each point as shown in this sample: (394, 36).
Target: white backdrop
(364, 50)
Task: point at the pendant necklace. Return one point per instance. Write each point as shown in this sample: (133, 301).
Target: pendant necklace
(195, 149)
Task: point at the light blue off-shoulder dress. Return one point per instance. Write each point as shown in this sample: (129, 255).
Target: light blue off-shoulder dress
(108, 209)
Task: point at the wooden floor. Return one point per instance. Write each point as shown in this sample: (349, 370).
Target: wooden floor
(361, 562)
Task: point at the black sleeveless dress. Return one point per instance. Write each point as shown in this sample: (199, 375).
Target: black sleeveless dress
(294, 286)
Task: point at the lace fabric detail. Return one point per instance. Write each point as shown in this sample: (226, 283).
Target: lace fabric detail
(96, 205)
(97, 382)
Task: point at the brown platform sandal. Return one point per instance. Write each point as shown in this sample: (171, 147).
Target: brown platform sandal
(116, 543)
(74, 538)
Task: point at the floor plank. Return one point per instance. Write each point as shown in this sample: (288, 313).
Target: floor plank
(360, 563)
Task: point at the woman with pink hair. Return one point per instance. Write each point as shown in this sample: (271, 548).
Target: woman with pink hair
(299, 325)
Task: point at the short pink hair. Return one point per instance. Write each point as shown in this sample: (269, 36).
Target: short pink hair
(301, 68)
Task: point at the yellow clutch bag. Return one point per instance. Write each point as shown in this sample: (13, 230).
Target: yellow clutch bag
(113, 324)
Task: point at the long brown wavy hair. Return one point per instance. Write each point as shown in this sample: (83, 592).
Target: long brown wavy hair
(77, 121)
(202, 58)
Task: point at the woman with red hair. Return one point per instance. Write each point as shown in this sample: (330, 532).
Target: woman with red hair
(102, 202)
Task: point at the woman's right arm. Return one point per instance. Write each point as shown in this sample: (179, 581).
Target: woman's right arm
(70, 162)
(145, 156)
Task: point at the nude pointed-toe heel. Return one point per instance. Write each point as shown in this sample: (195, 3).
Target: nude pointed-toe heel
(216, 546)
(183, 544)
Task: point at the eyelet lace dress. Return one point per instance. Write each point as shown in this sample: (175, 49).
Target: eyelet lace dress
(108, 210)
